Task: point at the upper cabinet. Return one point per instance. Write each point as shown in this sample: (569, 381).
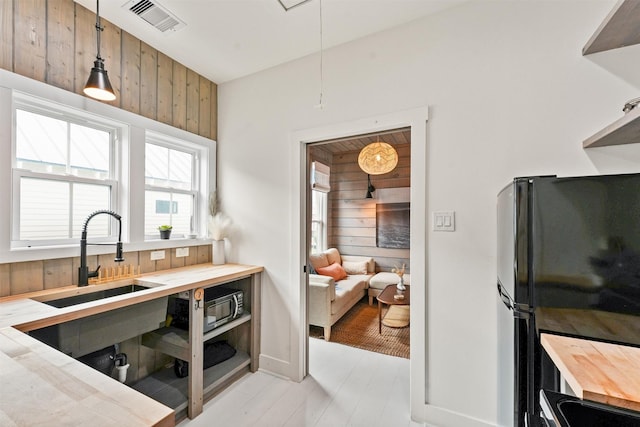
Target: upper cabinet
(620, 28)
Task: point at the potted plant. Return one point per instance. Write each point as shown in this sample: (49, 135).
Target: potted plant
(165, 231)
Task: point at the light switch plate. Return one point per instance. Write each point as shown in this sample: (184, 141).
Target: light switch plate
(182, 252)
(156, 255)
(444, 221)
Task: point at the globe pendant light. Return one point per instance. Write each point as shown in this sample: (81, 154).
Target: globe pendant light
(98, 85)
(377, 158)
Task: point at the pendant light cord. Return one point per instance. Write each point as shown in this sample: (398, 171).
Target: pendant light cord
(98, 28)
(321, 55)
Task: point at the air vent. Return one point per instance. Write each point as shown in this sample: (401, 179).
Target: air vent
(155, 14)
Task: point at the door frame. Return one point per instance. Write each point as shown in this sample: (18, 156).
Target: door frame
(416, 119)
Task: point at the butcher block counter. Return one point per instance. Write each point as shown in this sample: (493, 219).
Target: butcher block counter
(597, 371)
(42, 386)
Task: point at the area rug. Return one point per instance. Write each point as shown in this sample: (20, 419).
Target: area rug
(359, 328)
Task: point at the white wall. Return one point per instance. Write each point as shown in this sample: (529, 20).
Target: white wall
(509, 94)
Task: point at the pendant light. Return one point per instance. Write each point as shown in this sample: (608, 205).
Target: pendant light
(377, 158)
(98, 85)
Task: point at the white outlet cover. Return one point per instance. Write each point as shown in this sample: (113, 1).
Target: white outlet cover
(156, 255)
(182, 252)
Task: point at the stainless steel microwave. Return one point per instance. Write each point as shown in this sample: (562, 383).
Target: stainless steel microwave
(221, 305)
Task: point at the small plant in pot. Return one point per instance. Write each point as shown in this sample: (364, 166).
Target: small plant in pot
(165, 231)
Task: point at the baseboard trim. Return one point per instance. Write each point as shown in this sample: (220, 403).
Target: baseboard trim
(441, 417)
(278, 367)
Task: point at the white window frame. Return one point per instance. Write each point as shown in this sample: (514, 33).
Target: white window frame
(197, 152)
(130, 173)
(324, 208)
(42, 107)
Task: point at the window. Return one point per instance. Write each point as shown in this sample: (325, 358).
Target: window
(318, 221)
(320, 185)
(63, 169)
(171, 187)
(67, 156)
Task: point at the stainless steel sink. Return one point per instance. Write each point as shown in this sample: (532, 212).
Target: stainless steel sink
(569, 411)
(87, 334)
(95, 296)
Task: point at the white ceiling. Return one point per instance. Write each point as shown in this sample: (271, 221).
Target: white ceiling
(227, 39)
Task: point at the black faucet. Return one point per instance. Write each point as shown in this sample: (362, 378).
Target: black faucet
(83, 272)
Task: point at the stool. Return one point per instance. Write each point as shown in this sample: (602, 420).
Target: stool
(383, 279)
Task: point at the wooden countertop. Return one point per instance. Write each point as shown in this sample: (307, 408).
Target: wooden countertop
(614, 327)
(26, 311)
(597, 371)
(42, 386)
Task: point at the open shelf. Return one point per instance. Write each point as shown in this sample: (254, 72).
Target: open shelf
(187, 395)
(245, 317)
(169, 340)
(620, 28)
(625, 130)
(175, 342)
(165, 387)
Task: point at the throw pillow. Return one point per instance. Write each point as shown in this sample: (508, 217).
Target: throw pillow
(355, 267)
(334, 271)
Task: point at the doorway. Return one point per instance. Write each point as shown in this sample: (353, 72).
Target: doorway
(366, 219)
(416, 119)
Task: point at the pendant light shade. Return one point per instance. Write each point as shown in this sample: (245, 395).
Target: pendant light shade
(378, 158)
(370, 188)
(98, 85)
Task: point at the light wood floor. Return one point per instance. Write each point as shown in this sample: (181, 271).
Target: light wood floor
(346, 387)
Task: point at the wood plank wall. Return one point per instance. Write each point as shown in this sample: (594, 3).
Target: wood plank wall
(54, 41)
(21, 277)
(352, 217)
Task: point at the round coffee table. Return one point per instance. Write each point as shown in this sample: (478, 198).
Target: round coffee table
(388, 296)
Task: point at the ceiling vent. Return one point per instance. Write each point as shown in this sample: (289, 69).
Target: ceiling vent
(155, 14)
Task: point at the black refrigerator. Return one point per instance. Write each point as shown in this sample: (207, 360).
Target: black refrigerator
(568, 263)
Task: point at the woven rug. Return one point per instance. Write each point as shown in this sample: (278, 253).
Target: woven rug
(359, 328)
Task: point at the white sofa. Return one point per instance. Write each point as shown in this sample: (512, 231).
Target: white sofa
(330, 299)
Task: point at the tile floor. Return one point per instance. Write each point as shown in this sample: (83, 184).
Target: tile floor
(346, 387)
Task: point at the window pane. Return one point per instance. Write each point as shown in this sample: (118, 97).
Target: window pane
(154, 219)
(89, 152)
(181, 220)
(165, 167)
(41, 143)
(168, 208)
(88, 198)
(318, 221)
(156, 163)
(315, 238)
(38, 196)
(45, 213)
(180, 169)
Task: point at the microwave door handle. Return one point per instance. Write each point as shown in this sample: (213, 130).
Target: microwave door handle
(235, 300)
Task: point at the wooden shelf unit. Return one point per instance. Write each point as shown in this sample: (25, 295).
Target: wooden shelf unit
(620, 28)
(165, 387)
(625, 130)
(175, 342)
(187, 395)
